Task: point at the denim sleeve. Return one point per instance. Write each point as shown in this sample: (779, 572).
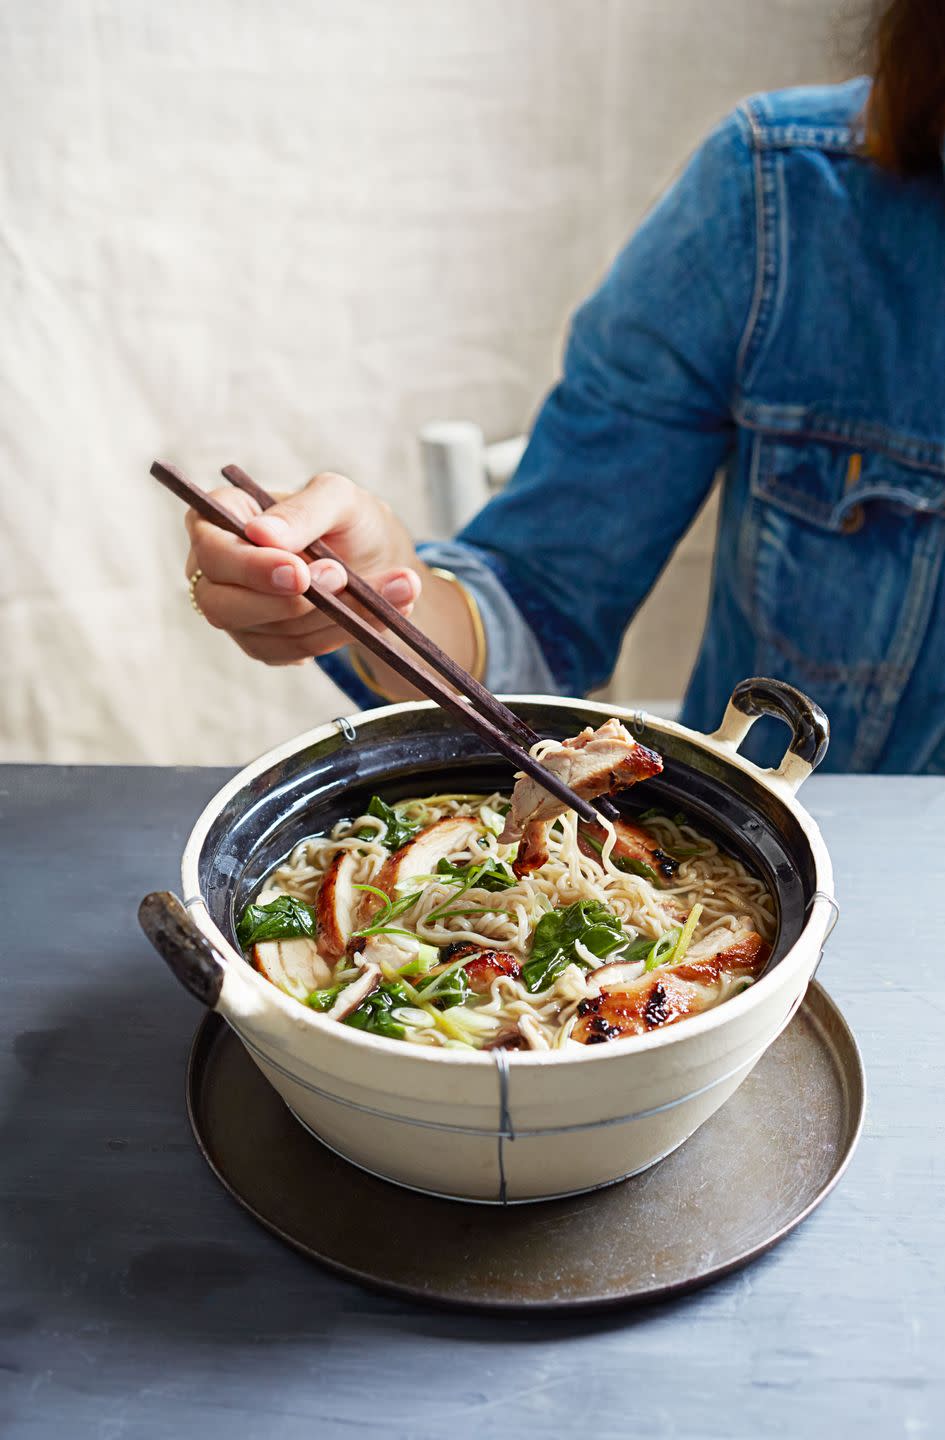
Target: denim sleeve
(516, 662)
(626, 445)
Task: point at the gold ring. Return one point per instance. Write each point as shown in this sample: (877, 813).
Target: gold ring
(192, 586)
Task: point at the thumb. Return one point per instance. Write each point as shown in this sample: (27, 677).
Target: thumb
(325, 505)
(400, 588)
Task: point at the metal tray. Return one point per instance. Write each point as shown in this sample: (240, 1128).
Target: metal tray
(753, 1172)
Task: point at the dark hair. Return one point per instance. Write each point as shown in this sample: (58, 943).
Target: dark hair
(905, 122)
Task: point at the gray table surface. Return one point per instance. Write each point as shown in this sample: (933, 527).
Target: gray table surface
(137, 1300)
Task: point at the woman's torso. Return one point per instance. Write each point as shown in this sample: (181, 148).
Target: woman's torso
(829, 569)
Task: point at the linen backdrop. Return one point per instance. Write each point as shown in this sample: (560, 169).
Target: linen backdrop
(289, 235)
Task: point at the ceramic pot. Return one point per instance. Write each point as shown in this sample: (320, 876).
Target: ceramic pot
(501, 1126)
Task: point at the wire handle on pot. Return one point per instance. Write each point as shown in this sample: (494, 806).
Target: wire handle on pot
(809, 725)
(831, 901)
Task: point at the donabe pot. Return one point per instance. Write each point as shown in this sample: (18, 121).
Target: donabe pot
(497, 1126)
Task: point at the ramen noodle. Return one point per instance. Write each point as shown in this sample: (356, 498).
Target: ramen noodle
(417, 922)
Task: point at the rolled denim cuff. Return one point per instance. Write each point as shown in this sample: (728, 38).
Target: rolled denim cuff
(514, 664)
(514, 659)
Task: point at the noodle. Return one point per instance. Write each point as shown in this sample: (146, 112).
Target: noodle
(503, 916)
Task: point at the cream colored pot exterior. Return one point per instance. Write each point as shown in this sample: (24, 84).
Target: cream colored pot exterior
(515, 1127)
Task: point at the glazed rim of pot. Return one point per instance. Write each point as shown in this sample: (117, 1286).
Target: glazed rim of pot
(722, 770)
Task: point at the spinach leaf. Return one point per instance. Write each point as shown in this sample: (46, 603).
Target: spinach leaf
(322, 1000)
(399, 830)
(626, 863)
(490, 874)
(446, 990)
(374, 1014)
(587, 921)
(284, 918)
(638, 949)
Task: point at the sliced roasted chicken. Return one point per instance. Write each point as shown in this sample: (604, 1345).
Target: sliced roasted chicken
(632, 843)
(592, 763)
(379, 950)
(294, 965)
(336, 904)
(420, 856)
(707, 975)
(482, 967)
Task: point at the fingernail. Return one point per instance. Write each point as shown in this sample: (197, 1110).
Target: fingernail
(278, 528)
(327, 576)
(398, 591)
(283, 577)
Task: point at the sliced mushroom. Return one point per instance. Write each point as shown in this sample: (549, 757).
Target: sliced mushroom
(506, 1040)
(294, 965)
(615, 976)
(355, 994)
(336, 904)
(420, 856)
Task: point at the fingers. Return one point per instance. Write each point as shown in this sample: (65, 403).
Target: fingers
(227, 560)
(327, 505)
(283, 631)
(239, 504)
(255, 591)
(400, 588)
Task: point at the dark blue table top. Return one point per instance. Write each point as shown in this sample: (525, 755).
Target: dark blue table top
(137, 1300)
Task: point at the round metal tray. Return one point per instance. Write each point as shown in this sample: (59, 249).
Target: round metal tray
(752, 1173)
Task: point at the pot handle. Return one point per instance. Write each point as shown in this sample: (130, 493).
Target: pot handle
(809, 725)
(178, 941)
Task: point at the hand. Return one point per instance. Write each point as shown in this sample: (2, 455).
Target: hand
(253, 591)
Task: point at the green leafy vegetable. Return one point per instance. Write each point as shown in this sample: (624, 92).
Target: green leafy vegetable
(426, 957)
(449, 988)
(322, 1000)
(398, 831)
(638, 950)
(491, 874)
(557, 933)
(374, 1014)
(284, 918)
(626, 863)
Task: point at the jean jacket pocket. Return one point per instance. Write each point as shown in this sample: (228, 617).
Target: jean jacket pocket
(840, 554)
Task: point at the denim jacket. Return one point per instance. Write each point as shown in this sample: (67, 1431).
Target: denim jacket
(780, 315)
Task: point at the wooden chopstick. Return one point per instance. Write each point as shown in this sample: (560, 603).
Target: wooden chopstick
(486, 703)
(422, 679)
(421, 644)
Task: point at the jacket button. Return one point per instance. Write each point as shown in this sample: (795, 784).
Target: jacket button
(853, 520)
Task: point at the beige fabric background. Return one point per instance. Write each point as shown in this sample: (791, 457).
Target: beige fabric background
(289, 235)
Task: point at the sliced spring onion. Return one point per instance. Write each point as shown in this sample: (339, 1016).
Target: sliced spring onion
(685, 938)
(440, 1018)
(663, 949)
